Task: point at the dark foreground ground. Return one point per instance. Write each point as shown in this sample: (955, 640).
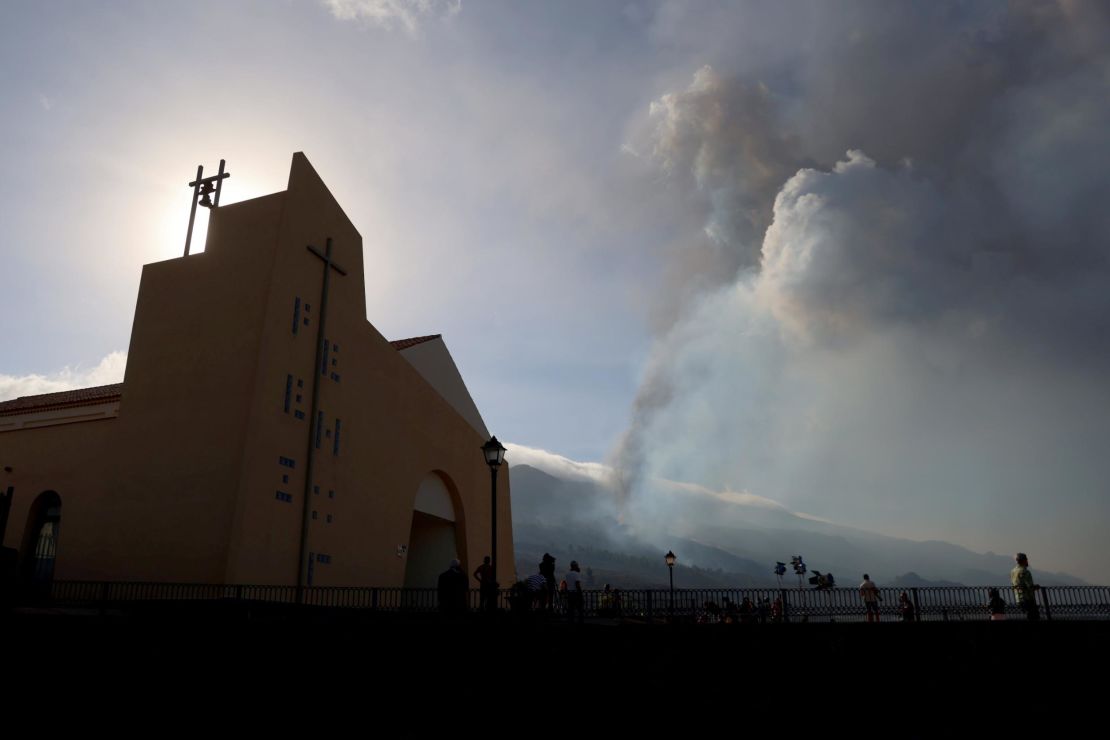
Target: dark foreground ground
(324, 664)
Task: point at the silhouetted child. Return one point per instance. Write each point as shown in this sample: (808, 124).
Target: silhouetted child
(996, 605)
(905, 607)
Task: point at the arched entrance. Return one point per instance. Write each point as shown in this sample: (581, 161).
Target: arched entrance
(40, 539)
(434, 536)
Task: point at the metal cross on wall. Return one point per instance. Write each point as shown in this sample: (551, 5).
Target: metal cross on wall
(314, 419)
(204, 188)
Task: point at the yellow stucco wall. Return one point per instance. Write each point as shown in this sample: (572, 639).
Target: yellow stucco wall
(181, 486)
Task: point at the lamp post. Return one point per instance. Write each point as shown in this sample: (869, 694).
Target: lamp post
(670, 558)
(494, 453)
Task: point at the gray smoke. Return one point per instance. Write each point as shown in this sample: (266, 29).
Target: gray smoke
(904, 320)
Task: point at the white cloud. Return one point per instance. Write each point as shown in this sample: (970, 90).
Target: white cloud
(557, 465)
(389, 14)
(108, 370)
(565, 468)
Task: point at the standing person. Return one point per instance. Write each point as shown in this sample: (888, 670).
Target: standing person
(869, 592)
(1025, 591)
(487, 588)
(575, 599)
(451, 588)
(547, 570)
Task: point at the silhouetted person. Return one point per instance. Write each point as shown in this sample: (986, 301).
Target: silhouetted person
(731, 613)
(535, 587)
(996, 605)
(452, 588)
(747, 611)
(575, 597)
(1025, 591)
(905, 607)
(547, 570)
(487, 588)
(869, 592)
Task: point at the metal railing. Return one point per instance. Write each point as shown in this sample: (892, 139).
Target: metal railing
(747, 605)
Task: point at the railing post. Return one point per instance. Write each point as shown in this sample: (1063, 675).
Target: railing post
(785, 606)
(1044, 601)
(649, 615)
(374, 599)
(916, 605)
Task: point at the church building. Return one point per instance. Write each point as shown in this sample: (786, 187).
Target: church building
(264, 432)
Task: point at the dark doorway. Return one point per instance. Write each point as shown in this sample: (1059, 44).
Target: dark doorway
(40, 541)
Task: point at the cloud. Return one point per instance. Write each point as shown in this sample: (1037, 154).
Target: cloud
(557, 465)
(388, 14)
(909, 332)
(566, 469)
(109, 370)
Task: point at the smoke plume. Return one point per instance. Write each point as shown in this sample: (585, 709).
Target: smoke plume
(904, 320)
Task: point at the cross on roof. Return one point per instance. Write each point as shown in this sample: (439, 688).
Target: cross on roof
(203, 189)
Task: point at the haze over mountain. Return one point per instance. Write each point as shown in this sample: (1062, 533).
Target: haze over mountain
(573, 510)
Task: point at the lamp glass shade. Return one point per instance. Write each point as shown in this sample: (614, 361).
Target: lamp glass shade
(670, 558)
(494, 452)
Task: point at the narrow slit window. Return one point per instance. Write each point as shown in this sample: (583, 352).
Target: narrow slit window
(324, 360)
(296, 313)
(288, 391)
(335, 439)
(319, 427)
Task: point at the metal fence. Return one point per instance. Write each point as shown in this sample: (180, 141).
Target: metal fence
(708, 606)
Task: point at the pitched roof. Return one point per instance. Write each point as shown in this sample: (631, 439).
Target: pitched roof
(400, 344)
(62, 399)
(107, 393)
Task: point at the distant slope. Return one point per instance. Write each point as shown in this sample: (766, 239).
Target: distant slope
(579, 518)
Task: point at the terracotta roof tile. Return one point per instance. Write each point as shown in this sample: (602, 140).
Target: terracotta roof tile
(400, 344)
(62, 399)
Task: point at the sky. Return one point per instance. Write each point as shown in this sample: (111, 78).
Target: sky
(848, 257)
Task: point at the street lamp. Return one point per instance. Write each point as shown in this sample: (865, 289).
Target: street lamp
(670, 558)
(494, 453)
